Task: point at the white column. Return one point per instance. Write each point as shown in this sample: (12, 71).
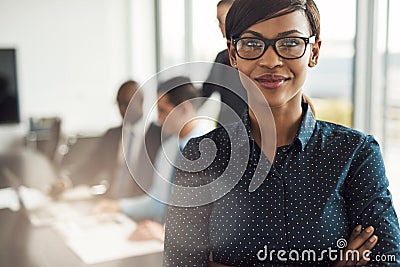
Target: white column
(369, 82)
(143, 42)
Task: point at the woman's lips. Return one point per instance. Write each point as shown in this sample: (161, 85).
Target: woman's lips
(271, 81)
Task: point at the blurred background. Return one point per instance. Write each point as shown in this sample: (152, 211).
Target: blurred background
(61, 63)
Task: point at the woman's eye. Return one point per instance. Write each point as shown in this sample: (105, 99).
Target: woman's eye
(289, 42)
(253, 44)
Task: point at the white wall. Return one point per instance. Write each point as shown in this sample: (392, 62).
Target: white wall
(73, 54)
(142, 27)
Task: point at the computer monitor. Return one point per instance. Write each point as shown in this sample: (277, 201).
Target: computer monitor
(9, 107)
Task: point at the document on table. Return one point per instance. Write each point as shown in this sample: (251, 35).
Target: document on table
(44, 211)
(9, 199)
(100, 238)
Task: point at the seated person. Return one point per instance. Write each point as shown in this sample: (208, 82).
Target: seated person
(106, 163)
(177, 116)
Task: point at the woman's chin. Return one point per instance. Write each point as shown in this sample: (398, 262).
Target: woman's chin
(273, 102)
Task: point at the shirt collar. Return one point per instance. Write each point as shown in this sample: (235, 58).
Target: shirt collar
(242, 137)
(303, 135)
(307, 126)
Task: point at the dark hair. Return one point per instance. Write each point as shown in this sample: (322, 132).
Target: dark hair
(130, 84)
(225, 2)
(245, 13)
(178, 90)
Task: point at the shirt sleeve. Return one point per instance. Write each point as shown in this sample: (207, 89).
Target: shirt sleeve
(369, 201)
(143, 208)
(186, 238)
(150, 205)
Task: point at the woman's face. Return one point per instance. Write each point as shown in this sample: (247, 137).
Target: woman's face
(279, 80)
(171, 117)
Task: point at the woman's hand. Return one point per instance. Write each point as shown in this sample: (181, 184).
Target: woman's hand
(59, 186)
(148, 230)
(107, 206)
(359, 240)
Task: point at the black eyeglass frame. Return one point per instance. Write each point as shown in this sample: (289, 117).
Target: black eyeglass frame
(272, 42)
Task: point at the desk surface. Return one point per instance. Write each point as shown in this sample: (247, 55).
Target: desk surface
(23, 245)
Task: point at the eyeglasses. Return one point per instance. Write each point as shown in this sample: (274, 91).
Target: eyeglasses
(286, 47)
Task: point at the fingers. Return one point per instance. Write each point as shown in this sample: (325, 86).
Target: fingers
(356, 231)
(364, 252)
(366, 256)
(360, 239)
(148, 230)
(359, 244)
(140, 235)
(57, 187)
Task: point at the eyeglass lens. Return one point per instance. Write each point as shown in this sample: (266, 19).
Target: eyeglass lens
(289, 47)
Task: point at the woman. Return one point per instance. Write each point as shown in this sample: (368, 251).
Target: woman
(324, 181)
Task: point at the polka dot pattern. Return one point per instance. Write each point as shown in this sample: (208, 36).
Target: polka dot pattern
(329, 180)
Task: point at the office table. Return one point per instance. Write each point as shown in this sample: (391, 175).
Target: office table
(23, 245)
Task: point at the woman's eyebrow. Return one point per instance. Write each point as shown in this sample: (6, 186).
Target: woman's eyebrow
(281, 34)
(253, 33)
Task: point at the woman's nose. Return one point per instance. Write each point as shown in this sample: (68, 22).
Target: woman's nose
(270, 58)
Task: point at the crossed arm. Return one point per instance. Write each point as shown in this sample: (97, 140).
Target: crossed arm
(360, 239)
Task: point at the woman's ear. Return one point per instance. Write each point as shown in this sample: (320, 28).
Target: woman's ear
(314, 55)
(232, 54)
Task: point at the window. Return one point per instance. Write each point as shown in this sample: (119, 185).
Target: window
(330, 83)
(207, 39)
(171, 24)
(188, 31)
(361, 91)
(392, 106)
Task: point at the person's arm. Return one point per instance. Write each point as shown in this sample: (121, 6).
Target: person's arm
(142, 208)
(151, 205)
(186, 237)
(148, 230)
(369, 201)
(359, 240)
(209, 85)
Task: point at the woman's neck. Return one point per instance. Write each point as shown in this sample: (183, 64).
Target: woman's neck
(287, 119)
(287, 125)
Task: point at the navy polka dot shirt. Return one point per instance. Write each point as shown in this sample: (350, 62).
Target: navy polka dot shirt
(319, 188)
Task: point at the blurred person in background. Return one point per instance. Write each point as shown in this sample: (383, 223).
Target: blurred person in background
(233, 97)
(177, 116)
(106, 164)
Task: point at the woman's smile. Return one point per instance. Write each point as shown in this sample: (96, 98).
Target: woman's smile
(271, 81)
(280, 80)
